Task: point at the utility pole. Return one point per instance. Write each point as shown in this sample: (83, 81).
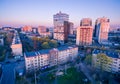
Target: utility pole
(35, 78)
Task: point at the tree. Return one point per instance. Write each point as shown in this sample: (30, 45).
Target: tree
(35, 39)
(103, 61)
(45, 45)
(53, 44)
(88, 59)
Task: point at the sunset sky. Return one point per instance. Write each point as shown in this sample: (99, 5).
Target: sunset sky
(40, 12)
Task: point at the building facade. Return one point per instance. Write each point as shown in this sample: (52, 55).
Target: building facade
(102, 26)
(27, 29)
(72, 29)
(42, 59)
(113, 66)
(84, 32)
(42, 30)
(1, 40)
(86, 22)
(16, 45)
(61, 27)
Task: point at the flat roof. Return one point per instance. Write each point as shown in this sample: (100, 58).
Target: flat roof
(46, 51)
(30, 54)
(112, 54)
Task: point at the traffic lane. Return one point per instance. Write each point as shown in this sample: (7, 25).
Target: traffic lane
(8, 74)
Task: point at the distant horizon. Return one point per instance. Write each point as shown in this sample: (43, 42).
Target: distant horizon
(111, 26)
(16, 13)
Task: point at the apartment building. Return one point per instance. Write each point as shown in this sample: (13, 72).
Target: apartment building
(102, 26)
(42, 59)
(84, 32)
(16, 45)
(61, 27)
(42, 30)
(113, 66)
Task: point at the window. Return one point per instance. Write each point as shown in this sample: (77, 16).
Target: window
(115, 62)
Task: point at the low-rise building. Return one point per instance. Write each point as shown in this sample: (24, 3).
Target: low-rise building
(42, 30)
(16, 45)
(42, 59)
(27, 29)
(1, 40)
(113, 66)
(46, 34)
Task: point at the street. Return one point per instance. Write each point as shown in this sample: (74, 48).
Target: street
(8, 74)
(86, 72)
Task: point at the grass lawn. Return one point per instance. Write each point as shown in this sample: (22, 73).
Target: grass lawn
(72, 77)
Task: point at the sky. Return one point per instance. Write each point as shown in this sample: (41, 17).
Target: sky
(40, 12)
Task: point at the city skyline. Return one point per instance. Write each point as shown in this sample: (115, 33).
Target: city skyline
(38, 12)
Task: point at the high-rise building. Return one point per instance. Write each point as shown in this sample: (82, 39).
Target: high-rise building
(61, 27)
(102, 26)
(86, 22)
(71, 28)
(84, 32)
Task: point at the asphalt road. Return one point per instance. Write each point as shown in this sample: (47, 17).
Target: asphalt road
(86, 72)
(8, 74)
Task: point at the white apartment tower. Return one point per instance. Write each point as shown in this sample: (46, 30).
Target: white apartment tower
(61, 26)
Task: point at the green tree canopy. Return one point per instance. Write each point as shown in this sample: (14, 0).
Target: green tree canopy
(53, 43)
(45, 45)
(88, 59)
(103, 61)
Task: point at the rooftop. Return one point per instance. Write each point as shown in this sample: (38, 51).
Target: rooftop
(30, 54)
(16, 39)
(112, 54)
(46, 51)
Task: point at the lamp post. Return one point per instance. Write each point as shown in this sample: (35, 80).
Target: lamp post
(35, 78)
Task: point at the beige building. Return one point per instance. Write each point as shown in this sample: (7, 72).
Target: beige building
(113, 66)
(50, 57)
(86, 22)
(102, 29)
(42, 30)
(61, 27)
(27, 29)
(16, 45)
(84, 32)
